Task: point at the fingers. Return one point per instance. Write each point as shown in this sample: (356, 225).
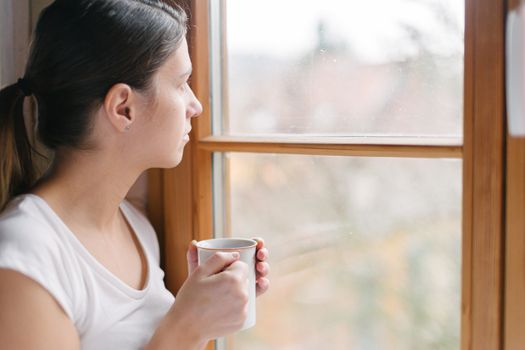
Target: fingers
(238, 268)
(262, 269)
(218, 262)
(262, 286)
(192, 257)
(262, 254)
(260, 242)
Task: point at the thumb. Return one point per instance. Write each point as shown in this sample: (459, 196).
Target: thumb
(192, 257)
(218, 262)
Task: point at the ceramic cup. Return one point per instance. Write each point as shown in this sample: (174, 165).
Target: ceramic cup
(246, 249)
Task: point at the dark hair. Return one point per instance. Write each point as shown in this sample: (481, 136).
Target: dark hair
(80, 49)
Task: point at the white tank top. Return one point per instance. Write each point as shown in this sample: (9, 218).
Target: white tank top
(107, 313)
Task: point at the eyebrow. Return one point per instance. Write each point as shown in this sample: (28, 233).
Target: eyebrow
(187, 73)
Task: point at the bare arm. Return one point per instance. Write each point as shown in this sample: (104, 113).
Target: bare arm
(173, 335)
(31, 318)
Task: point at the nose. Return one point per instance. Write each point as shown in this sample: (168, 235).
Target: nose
(195, 107)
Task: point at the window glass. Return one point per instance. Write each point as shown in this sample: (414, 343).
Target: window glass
(365, 252)
(341, 67)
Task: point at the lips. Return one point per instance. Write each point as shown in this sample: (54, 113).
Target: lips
(186, 136)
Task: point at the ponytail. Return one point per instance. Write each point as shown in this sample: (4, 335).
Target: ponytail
(17, 171)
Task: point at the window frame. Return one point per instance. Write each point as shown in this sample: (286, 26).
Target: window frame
(185, 194)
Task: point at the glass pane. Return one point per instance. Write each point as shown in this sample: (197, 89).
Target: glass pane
(340, 67)
(365, 252)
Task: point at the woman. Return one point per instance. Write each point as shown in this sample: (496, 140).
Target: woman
(78, 263)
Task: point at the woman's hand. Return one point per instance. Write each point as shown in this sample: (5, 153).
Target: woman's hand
(213, 301)
(262, 267)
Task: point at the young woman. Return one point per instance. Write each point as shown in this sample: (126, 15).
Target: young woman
(79, 264)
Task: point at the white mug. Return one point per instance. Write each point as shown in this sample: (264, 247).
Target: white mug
(246, 248)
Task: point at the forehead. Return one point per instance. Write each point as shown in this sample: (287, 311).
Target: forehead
(179, 62)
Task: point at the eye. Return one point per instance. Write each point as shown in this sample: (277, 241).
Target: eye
(184, 86)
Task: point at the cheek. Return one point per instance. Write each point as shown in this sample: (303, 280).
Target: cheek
(169, 109)
(173, 116)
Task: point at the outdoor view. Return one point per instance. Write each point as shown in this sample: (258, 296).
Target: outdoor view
(365, 252)
(344, 67)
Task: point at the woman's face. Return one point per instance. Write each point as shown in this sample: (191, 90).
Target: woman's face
(167, 119)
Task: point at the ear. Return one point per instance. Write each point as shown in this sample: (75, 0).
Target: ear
(120, 106)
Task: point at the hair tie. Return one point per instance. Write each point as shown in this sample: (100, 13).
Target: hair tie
(23, 85)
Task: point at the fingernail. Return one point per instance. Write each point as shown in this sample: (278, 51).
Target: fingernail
(235, 255)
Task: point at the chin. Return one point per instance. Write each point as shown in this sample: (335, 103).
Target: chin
(173, 161)
(170, 164)
(170, 160)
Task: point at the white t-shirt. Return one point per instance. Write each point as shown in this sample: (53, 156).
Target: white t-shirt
(107, 313)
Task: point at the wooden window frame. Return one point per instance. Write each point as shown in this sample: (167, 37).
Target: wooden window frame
(182, 197)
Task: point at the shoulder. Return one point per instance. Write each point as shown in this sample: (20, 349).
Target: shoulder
(24, 223)
(30, 244)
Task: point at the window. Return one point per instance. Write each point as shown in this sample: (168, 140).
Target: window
(339, 67)
(366, 251)
(362, 197)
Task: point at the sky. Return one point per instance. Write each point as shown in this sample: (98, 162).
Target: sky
(372, 28)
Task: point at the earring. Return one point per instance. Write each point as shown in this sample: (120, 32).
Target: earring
(128, 127)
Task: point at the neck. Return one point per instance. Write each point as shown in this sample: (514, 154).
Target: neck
(87, 188)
